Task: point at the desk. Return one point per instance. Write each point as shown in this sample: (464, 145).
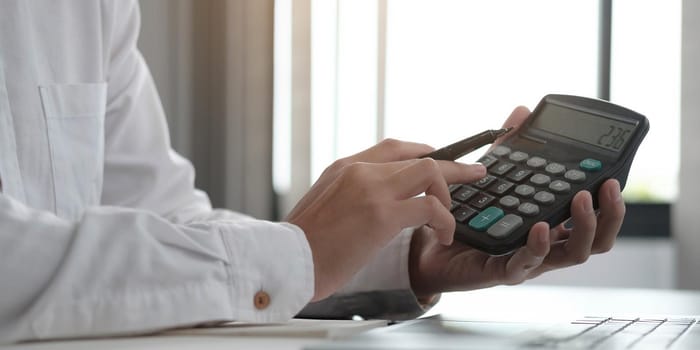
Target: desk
(500, 303)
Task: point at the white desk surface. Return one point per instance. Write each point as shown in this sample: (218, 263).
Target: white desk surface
(500, 303)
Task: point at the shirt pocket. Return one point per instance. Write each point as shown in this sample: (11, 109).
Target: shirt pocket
(75, 115)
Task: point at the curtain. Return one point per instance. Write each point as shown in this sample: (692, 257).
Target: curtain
(212, 61)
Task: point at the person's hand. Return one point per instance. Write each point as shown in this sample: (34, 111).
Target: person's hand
(361, 202)
(436, 268)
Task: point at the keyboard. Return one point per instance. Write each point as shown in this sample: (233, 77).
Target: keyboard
(621, 333)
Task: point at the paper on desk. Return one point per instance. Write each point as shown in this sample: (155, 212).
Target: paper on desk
(298, 327)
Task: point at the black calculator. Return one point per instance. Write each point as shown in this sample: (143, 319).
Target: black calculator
(567, 144)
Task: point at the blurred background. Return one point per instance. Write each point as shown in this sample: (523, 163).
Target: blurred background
(262, 95)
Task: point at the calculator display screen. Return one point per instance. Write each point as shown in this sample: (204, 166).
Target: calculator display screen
(588, 128)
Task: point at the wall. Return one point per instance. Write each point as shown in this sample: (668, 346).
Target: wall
(686, 211)
(212, 63)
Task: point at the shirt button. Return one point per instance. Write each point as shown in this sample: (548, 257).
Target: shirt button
(261, 300)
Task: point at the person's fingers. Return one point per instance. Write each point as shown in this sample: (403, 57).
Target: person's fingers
(420, 176)
(559, 233)
(391, 150)
(460, 173)
(415, 176)
(427, 210)
(530, 256)
(612, 212)
(515, 120)
(577, 249)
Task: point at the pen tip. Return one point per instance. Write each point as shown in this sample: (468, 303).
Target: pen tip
(505, 131)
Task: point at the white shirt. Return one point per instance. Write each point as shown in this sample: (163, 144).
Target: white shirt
(101, 228)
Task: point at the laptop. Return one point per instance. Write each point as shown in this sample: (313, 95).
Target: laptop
(515, 323)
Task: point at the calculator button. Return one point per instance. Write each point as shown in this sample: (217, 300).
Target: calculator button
(590, 164)
(518, 156)
(536, 162)
(519, 174)
(576, 176)
(487, 160)
(528, 209)
(454, 187)
(505, 226)
(544, 197)
(540, 179)
(463, 213)
(501, 151)
(501, 187)
(509, 202)
(524, 190)
(454, 205)
(486, 218)
(560, 186)
(502, 168)
(485, 181)
(555, 168)
(482, 200)
(465, 193)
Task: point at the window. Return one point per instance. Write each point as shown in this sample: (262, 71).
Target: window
(435, 71)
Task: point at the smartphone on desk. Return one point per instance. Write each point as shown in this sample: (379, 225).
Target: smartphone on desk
(567, 144)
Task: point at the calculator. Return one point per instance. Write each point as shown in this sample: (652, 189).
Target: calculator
(567, 144)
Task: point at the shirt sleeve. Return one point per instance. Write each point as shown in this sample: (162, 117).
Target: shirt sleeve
(154, 254)
(122, 271)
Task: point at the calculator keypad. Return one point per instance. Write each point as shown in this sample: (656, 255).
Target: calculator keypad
(518, 186)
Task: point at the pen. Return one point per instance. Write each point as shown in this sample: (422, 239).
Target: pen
(463, 147)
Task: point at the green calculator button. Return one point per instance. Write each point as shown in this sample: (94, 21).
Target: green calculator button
(590, 164)
(486, 218)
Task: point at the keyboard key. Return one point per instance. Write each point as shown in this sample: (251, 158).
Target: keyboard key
(502, 168)
(465, 193)
(524, 190)
(544, 197)
(528, 209)
(487, 160)
(454, 187)
(482, 200)
(485, 181)
(482, 221)
(540, 179)
(559, 186)
(519, 175)
(500, 187)
(555, 168)
(463, 213)
(505, 226)
(590, 164)
(576, 176)
(454, 205)
(518, 156)
(509, 202)
(501, 151)
(536, 162)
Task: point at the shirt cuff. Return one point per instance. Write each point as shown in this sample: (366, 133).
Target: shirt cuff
(270, 270)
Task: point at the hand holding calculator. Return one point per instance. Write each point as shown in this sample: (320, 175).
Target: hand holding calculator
(567, 144)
